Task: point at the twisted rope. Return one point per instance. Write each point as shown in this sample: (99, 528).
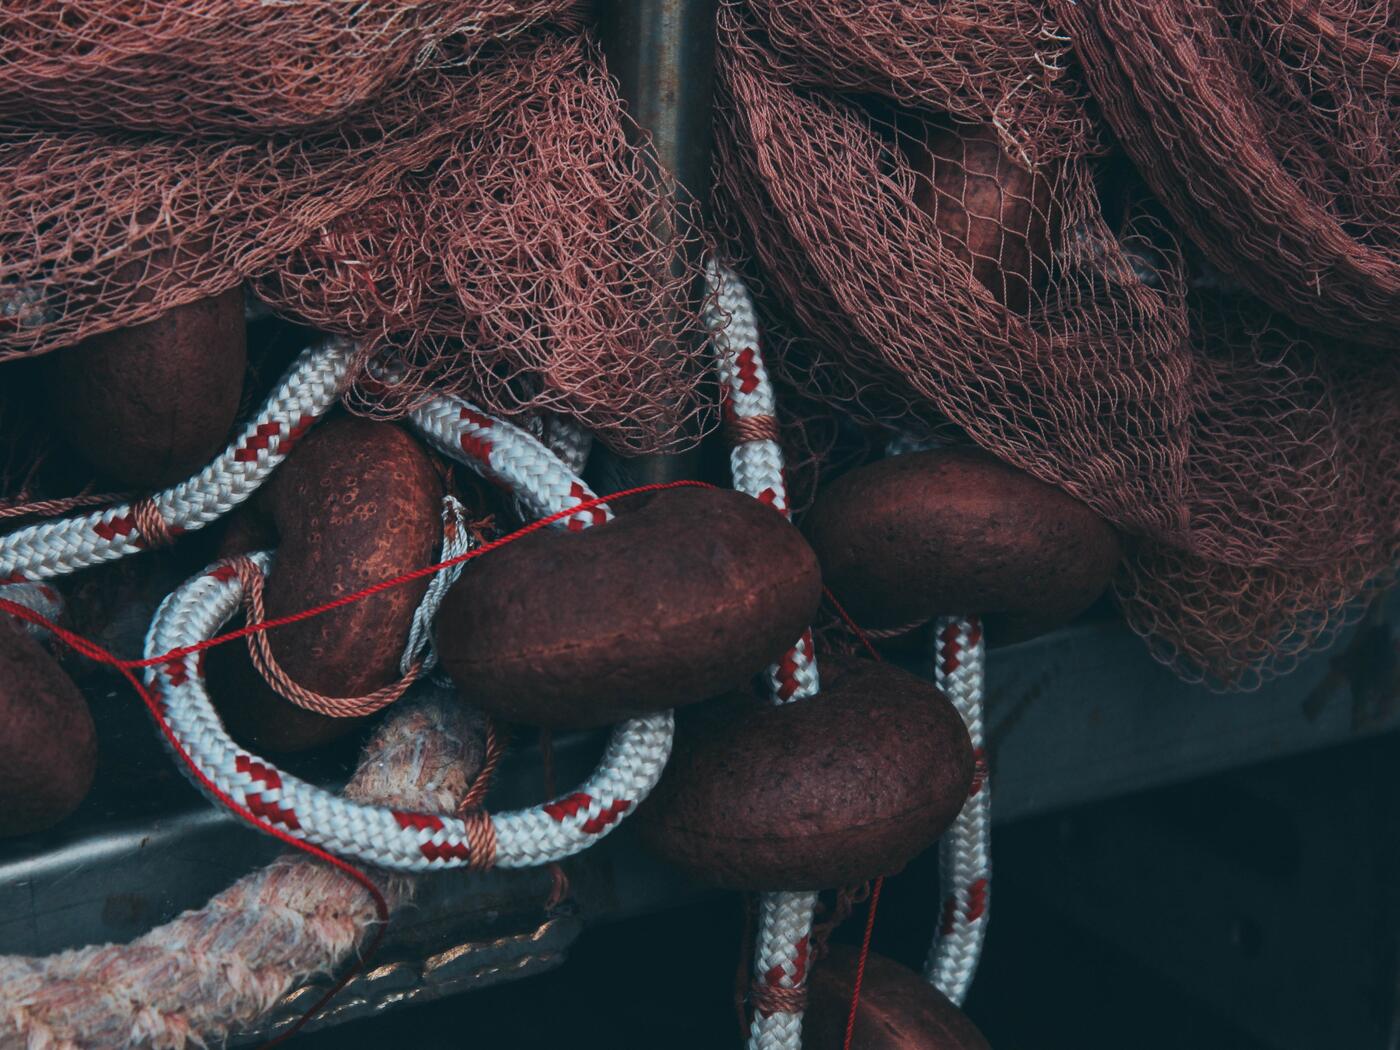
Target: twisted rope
(262, 937)
(250, 577)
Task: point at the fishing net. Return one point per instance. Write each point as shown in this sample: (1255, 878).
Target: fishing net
(202, 66)
(1271, 130)
(477, 212)
(924, 196)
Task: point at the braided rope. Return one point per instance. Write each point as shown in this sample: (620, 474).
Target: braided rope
(457, 539)
(756, 462)
(509, 456)
(381, 836)
(53, 548)
(964, 853)
(40, 597)
(965, 850)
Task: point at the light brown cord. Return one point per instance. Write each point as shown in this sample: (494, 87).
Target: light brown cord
(48, 508)
(260, 650)
(154, 529)
(769, 1000)
(741, 429)
(481, 831)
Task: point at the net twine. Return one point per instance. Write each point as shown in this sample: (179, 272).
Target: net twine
(454, 186)
(1247, 458)
(1268, 128)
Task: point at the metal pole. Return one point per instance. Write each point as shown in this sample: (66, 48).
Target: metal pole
(662, 54)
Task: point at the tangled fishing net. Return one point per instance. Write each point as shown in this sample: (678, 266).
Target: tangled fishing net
(930, 206)
(453, 184)
(1271, 130)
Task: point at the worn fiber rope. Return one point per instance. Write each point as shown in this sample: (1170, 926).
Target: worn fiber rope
(266, 934)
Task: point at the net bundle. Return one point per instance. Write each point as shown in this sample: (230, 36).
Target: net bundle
(929, 204)
(456, 185)
(1271, 130)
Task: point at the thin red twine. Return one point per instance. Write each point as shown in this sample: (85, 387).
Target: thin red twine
(860, 963)
(128, 669)
(875, 889)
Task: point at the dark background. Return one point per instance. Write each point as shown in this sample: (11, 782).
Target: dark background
(1251, 911)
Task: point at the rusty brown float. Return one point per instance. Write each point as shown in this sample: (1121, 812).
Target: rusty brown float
(846, 785)
(898, 1009)
(957, 532)
(48, 745)
(681, 597)
(356, 503)
(151, 404)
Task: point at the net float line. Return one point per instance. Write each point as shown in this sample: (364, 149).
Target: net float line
(396, 839)
(782, 948)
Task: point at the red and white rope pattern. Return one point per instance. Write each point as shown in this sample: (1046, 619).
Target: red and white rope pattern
(379, 835)
(54, 548)
(509, 456)
(40, 597)
(964, 854)
(756, 462)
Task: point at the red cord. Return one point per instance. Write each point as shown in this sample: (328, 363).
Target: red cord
(860, 963)
(97, 653)
(875, 890)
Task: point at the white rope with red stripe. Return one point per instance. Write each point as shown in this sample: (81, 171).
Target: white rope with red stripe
(785, 918)
(378, 835)
(964, 853)
(54, 548)
(39, 597)
(965, 850)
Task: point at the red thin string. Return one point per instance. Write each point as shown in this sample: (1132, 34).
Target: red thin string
(860, 963)
(97, 653)
(875, 889)
(94, 652)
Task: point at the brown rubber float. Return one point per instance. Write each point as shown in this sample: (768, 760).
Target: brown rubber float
(899, 1010)
(48, 745)
(839, 788)
(151, 404)
(992, 212)
(356, 502)
(681, 597)
(958, 532)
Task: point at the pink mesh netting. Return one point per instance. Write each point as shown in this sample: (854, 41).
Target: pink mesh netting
(202, 66)
(923, 192)
(1271, 129)
(479, 213)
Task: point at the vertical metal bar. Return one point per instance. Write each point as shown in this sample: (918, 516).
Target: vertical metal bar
(662, 54)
